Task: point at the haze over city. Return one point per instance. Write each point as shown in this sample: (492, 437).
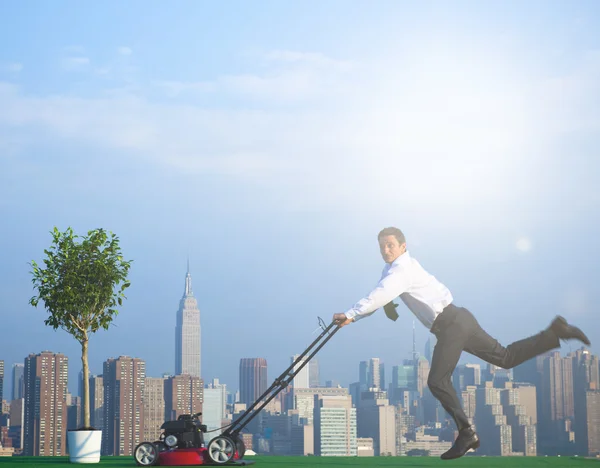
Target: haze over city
(269, 145)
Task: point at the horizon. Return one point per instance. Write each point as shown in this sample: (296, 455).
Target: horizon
(270, 144)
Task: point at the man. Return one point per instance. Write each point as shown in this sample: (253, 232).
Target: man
(455, 327)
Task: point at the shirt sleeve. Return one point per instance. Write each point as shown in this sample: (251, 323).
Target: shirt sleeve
(391, 285)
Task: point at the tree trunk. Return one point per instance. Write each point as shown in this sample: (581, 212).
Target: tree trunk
(86, 383)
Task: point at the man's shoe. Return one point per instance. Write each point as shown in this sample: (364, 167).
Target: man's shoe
(568, 332)
(467, 439)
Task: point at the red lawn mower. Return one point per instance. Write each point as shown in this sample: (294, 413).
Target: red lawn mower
(182, 441)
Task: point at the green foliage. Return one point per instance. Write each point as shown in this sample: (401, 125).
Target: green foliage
(81, 285)
(77, 284)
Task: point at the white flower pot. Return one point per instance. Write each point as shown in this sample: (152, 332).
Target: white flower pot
(84, 446)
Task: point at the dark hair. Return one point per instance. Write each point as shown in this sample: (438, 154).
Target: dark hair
(392, 231)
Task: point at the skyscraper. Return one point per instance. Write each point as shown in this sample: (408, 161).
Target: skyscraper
(374, 373)
(187, 333)
(97, 401)
(313, 372)
(253, 379)
(363, 375)
(17, 381)
(491, 422)
(429, 347)
(45, 425)
(214, 406)
(304, 400)
(586, 383)
(592, 402)
(154, 407)
(523, 429)
(302, 378)
(184, 394)
(377, 419)
(124, 382)
(1, 381)
(335, 426)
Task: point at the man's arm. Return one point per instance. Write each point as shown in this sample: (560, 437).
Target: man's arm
(389, 287)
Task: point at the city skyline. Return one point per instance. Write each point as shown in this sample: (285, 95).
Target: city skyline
(547, 406)
(270, 146)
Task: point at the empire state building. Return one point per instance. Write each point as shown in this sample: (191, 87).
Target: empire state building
(187, 333)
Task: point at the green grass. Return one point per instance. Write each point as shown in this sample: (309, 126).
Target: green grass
(335, 462)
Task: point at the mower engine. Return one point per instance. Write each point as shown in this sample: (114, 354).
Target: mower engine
(185, 432)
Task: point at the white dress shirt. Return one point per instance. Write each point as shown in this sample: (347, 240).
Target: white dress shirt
(424, 295)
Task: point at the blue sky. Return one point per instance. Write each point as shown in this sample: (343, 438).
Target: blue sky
(271, 141)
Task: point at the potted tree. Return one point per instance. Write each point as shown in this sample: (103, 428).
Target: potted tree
(81, 285)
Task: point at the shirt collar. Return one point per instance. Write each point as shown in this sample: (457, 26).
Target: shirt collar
(401, 260)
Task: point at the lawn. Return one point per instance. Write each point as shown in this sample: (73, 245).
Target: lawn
(335, 462)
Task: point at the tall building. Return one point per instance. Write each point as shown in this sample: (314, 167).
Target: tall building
(17, 381)
(184, 394)
(302, 378)
(187, 333)
(214, 405)
(253, 379)
(97, 401)
(313, 371)
(592, 401)
(154, 407)
(528, 398)
(405, 376)
(405, 424)
(376, 419)
(586, 380)
(476, 373)
(124, 381)
(363, 374)
(45, 424)
(17, 419)
(429, 347)
(524, 433)
(335, 426)
(555, 433)
(74, 414)
(491, 423)
(371, 373)
(469, 400)
(375, 373)
(422, 374)
(1, 381)
(304, 401)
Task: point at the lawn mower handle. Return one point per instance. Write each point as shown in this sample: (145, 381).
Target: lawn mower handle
(283, 380)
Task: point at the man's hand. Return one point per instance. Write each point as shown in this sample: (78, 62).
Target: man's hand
(341, 319)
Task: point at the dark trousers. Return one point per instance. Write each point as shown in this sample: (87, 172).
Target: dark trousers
(457, 330)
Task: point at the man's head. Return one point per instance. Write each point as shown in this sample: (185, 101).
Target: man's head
(392, 243)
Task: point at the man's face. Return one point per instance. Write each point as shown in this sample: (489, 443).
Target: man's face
(390, 248)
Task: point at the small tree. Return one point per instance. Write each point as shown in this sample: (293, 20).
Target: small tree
(77, 287)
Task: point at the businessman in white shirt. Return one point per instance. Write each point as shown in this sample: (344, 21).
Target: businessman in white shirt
(455, 327)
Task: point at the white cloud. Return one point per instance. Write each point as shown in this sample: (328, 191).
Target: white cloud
(290, 77)
(75, 63)
(176, 88)
(446, 134)
(523, 244)
(124, 50)
(312, 58)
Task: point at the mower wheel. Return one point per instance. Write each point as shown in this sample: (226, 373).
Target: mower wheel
(221, 449)
(239, 446)
(146, 454)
